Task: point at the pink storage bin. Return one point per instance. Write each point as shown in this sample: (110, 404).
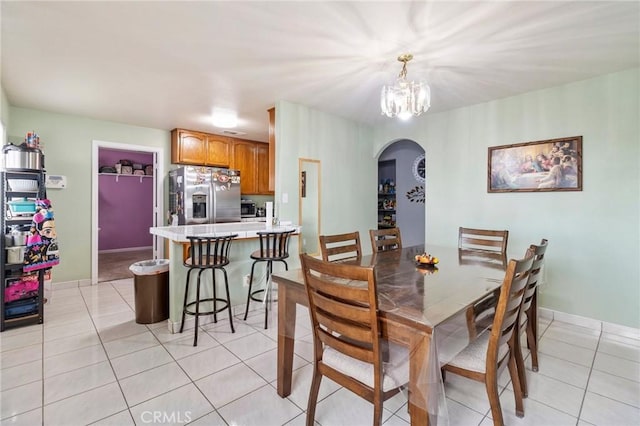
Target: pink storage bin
(21, 288)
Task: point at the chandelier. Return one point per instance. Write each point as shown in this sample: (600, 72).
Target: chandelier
(405, 98)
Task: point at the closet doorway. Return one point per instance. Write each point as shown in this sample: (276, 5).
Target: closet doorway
(125, 204)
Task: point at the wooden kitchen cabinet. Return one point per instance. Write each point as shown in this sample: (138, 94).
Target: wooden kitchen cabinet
(200, 149)
(244, 159)
(203, 149)
(263, 169)
(252, 159)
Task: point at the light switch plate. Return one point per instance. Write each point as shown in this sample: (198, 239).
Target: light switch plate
(56, 182)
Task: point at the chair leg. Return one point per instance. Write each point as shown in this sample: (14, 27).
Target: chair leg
(313, 396)
(267, 291)
(520, 367)
(226, 286)
(215, 295)
(184, 304)
(517, 390)
(246, 309)
(377, 408)
(533, 346)
(491, 384)
(195, 331)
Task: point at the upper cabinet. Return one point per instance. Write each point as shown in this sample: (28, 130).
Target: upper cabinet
(200, 149)
(244, 159)
(204, 149)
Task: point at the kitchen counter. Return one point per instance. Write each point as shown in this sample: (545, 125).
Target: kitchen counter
(243, 229)
(238, 269)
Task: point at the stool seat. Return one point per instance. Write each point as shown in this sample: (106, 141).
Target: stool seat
(207, 253)
(274, 247)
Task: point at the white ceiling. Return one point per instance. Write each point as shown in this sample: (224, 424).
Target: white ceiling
(168, 64)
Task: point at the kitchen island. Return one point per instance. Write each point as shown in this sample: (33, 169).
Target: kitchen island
(239, 267)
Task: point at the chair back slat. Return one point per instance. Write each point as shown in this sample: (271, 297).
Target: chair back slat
(361, 353)
(385, 239)
(483, 240)
(340, 247)
(205, 252)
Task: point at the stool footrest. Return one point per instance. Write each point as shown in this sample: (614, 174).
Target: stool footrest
(216, 310)
(253, 296)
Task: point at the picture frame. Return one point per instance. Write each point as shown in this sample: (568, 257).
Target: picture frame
(303, 184)
(539, 166)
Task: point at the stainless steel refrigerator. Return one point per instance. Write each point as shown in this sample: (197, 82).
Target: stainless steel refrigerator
(204, 195)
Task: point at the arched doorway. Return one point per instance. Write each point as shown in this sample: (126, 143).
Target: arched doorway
(402, 189)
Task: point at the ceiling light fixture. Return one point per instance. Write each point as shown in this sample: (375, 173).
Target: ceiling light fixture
(405, 98)
(224, 118)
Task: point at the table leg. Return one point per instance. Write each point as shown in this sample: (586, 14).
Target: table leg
(419, 378)
(286, 338)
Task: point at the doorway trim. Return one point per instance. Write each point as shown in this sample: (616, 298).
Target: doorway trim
(158, 200)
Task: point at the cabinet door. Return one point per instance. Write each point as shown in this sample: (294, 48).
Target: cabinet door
(244, 159)
(262, 156)
(188, 147)
(218, 151)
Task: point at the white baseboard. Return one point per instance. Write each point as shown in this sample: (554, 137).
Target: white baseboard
(604, 327)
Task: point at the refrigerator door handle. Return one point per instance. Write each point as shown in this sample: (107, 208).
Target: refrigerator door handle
(212, 189)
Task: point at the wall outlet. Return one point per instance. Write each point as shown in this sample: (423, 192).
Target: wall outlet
(245, 281)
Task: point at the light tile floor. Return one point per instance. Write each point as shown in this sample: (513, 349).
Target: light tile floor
(90, 363)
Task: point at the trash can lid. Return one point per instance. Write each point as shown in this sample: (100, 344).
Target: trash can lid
(150, 267)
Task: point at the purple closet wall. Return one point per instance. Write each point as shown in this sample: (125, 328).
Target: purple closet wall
(126, 206)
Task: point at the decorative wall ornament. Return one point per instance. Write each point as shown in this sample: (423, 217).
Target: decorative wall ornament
(416, 195)
(419, 168)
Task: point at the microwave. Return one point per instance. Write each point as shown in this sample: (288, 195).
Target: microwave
(247, 208)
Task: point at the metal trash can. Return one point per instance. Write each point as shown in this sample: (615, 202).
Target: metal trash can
(151, 290)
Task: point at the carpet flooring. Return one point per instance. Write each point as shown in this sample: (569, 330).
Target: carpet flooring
(115, 265)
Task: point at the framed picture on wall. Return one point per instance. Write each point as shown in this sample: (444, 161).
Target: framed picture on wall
(540, 166)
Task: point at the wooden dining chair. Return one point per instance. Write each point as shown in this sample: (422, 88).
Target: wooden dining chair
(347, 346)
(485, 357)
(341, 247)
(385, 239)
(529, 314)
(486, 241)
(486, 246)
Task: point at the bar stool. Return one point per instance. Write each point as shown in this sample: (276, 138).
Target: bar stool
(274, 247)
(207, 253)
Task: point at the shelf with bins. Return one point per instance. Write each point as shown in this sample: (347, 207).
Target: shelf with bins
(386, 210)
(21, 294)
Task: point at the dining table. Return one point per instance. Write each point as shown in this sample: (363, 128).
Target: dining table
(413, 301)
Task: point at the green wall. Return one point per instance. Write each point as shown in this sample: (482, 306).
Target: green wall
(348, 169)
(67, 144)
(594, 235)
(592, 268)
